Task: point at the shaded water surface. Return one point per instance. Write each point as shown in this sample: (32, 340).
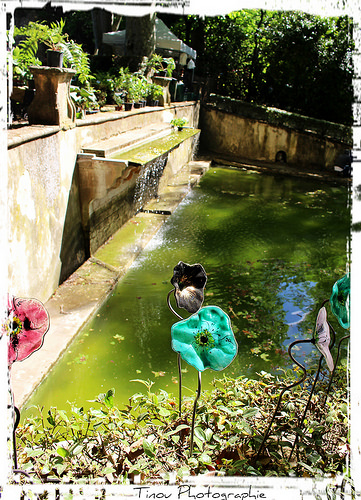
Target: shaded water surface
(272, 247)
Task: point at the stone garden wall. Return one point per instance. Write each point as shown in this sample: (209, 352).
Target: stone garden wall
(46, 238)
(245, 132)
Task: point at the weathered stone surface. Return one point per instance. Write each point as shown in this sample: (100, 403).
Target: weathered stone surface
(52, 104)
(247, 140)
(164, 82)
(44, 224)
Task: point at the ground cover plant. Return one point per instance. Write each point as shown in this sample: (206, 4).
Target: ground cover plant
(147, 438)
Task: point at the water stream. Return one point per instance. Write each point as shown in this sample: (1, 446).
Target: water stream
(272, 247)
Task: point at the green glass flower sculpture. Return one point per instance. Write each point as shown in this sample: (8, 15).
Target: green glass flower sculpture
(340, 300)
(322, 337)
(205, 339)
(189, 282)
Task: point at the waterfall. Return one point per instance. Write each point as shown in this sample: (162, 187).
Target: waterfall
(148, 181)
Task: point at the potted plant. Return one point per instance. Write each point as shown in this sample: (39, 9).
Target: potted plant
(170, 66)
(54, 38)
(179, 123)
(155, 92)
(84, 99)
(154, 65)
(124, 83)
(119, 101)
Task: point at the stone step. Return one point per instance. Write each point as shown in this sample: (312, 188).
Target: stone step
(127, 139)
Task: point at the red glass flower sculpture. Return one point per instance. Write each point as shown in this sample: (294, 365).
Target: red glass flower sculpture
(27, 323)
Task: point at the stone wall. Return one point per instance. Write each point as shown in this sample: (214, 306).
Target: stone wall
(46, 239)
(246, 133)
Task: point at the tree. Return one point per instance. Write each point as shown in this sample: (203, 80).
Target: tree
(292, 60)
(140, 39)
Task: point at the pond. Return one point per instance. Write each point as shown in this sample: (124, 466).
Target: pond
(272, 247)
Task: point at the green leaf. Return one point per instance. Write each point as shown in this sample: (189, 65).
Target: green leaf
(108, 470)
(62, 452)
(164, 412)
(35, 453)
(250, 412)
(60, 468)
(51, 419)
(199, 433)
(149, 448)
(175, 431)
(205, 459)
(109, 398)
(209, 434)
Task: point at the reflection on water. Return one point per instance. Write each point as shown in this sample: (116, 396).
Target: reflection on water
(272, 247)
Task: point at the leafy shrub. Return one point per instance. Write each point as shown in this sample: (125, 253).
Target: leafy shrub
(148, 437)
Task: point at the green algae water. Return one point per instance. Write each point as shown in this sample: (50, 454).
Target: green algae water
(154, 149)
(272, 247)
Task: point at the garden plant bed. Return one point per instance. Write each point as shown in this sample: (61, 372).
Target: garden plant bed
(148, 439)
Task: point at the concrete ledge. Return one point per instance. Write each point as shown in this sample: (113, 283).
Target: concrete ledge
(105, 148)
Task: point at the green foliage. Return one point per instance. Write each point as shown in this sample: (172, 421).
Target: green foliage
(21, 60)
(148, 438)
(285, 59)
(77, 59)
(169, 66)
(83, 97)
(38, 32)
(133, 86)
(179, 122)
(35, 33)
(155, 91)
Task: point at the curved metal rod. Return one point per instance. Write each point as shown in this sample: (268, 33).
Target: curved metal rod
(16, 423)
(179, 359)
(294, 384)
(170, 306)
(334, 369)
(179, 363)
(301, 420)
(194, 411)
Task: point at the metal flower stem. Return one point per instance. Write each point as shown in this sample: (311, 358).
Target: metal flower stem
(301, 420)
(179, 359)
(194, 411)
(294, 384)
(336, 361)
(16, 423)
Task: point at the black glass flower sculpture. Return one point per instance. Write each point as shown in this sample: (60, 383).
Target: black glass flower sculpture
(205, 339)
(322, 337)
(340, 300)
(26, 324)
(189, 282)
